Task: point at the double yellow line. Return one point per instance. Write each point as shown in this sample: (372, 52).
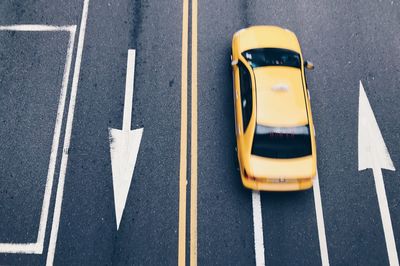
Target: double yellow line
(193, 140)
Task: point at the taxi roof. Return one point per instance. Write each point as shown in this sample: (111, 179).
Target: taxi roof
(280, 96)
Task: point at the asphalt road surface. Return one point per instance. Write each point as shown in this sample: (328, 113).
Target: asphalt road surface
(63, 66)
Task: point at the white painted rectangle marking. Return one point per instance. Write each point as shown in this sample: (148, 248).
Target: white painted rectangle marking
(37, 27)
(37, 248)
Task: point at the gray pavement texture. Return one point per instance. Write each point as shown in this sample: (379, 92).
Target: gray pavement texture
(348, 41)
(37, 61)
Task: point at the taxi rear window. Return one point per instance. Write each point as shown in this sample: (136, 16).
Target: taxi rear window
(272, 57)
(282, 142)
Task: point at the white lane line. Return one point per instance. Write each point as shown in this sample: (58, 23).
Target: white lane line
(67, 137)
(56, 139)
(36, 27)
(37, 248)
(320, 223)
(258, 229)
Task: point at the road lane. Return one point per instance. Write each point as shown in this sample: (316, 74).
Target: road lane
(151, 235)
(350, 205)
(380, 53)
(225, 220)
(342, 41)
(283, 214)
(291, 235)
(84, 214)
(148, 229)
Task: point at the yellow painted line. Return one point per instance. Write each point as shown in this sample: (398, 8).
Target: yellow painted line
(183, 144)
(193, 149)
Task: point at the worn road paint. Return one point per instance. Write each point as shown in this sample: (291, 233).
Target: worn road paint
(373, 154)
(37, 27)
(67, 137)
(258, 229)
(320, 223)
(37, 248)
(183, 137)
(124, 145)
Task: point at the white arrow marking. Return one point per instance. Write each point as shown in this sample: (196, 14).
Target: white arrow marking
(373, 154)
(124, 145)
(372, 150)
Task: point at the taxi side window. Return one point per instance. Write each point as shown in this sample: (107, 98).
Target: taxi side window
(245, 94)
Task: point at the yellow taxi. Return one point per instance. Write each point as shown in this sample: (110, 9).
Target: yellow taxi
(275, 135)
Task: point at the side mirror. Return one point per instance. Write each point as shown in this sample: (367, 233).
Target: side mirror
(233, 62)
(309, 65)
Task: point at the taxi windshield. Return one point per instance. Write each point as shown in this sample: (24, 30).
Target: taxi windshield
(282, 142)
(272, 57)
